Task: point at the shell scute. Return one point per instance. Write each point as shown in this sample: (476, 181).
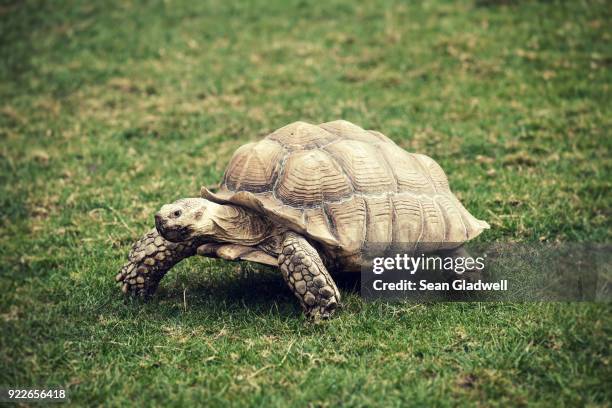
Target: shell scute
(310, 178)
(380, 222)
(407, 218)
(437, 175)
(408, 172)
(254, 167)
(364, 165)
(348, 221)
(318, 225)
(434, 227)
(455, 230)
(348, 130)
(302, 136)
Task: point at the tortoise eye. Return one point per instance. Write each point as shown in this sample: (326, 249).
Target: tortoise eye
(177, 213)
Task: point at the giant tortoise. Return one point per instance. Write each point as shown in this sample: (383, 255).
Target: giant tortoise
(308, 199)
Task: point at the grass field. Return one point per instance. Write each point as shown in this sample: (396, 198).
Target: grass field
(110, 109)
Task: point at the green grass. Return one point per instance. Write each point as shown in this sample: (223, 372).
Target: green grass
(110, 109)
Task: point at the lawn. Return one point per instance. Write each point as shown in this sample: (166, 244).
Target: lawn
(110, 109)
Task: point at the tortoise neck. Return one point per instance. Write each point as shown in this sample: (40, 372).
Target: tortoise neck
(238, 225)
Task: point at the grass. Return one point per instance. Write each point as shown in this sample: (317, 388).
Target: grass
(110, 109)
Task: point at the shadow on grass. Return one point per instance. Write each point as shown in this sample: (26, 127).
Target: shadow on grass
(220, 291)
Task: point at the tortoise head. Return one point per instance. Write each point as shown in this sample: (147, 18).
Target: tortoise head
(199, 218)
(184, 219)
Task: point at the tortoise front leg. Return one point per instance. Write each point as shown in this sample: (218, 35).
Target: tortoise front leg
(307, 277)
(149, 260)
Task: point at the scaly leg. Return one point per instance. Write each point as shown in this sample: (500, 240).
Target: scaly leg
(307, 277)
(149, 260)
(469, 275)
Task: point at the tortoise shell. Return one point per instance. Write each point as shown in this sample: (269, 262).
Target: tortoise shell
(345, 187)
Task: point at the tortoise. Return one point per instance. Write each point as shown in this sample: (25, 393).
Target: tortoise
(308, 199)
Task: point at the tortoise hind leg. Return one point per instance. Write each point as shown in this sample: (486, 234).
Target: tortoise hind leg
(149, 260)
(307, 277)
(469, 274)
